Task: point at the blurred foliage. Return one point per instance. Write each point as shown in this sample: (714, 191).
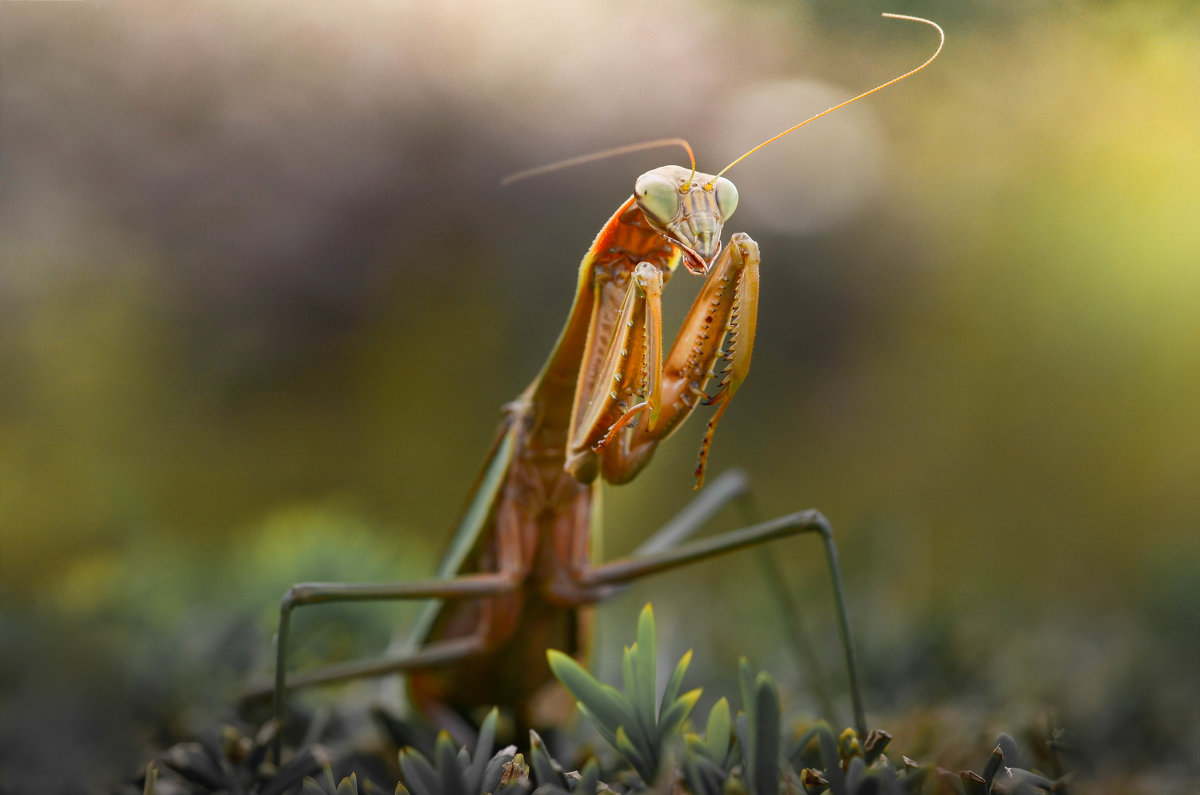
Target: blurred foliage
(261, 300)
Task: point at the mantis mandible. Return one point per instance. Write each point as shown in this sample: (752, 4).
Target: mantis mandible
(517, 577)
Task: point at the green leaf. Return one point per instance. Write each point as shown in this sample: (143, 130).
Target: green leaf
(742, 730)
(637, 728)
(589, 778)
(704, 776)
(541, 763)
(831, 763)
(473, 774)
(1025, 779)
(764, 737)
(494, 770)
(418, 773)
(445, 755)
(992, 767)
(746, 683)
(675, 682)
(151, 786)
(674, 716)
(646, 668)
(609, 735)
(716, 732)
(349, 786)
(605, 703)
(644, 767)
(856, 772)
(305, 763)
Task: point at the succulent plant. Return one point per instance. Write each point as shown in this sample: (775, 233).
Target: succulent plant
(641, 730)
(235, 763)
(327, 786)
(742, 753)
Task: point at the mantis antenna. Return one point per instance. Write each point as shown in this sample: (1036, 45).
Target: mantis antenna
(910, 73)
(638, 147)
(580, 159)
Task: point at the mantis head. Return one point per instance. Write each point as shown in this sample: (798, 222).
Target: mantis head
(689, 209)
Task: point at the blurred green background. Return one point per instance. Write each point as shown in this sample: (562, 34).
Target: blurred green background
(261, 298)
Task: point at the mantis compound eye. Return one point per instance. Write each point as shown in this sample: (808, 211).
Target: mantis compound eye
(727, 197)
(658, 197)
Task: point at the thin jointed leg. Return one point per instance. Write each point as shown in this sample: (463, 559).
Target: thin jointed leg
(791, 616)
(734, 486)
(625, 570)
(468, 586)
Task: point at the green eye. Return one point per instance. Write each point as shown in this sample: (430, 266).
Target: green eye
(727, 197)
(657, 197)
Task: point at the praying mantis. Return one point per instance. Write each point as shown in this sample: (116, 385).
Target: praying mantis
(518, 576)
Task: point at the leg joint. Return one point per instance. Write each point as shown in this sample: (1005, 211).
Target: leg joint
(293, 596)
(816, 521)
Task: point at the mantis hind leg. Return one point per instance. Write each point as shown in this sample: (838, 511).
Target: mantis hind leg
(669, 548)
(790, 614)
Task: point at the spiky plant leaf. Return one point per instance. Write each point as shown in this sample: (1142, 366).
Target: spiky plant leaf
(191, 761)
(1023, 781)
(418, 773)
(672, 718)
(745, 680)
(646, 670)
(606, 703)
(639, 728)
(675, 682)
(473, 772)
(445, 755)
(717, 732)
(703, 776)
(763, 725)
(305, 763)
(495, 768)
(742, 733)
(610, 736)
(856, 772)
(645, 767)
(994, 763)
(544, 768)
(629, 721)
(830, 762)
(514, 776)
(589, 779)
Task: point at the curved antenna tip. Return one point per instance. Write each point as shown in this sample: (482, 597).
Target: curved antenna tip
(909, 73)
(930, 23)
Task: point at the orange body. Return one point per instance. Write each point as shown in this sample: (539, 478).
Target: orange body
(539, 524)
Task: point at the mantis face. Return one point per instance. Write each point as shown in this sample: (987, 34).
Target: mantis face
(688, 209)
